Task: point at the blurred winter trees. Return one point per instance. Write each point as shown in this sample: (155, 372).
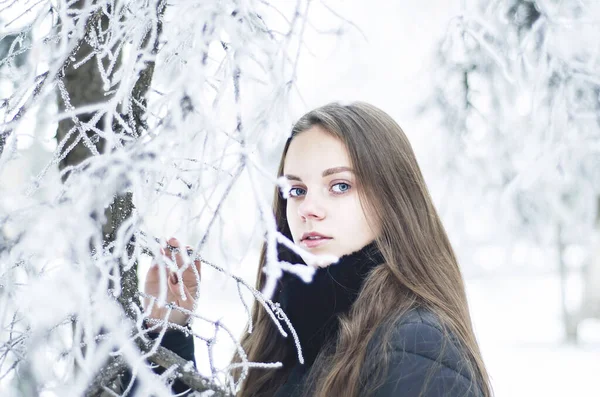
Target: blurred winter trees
(517, 96)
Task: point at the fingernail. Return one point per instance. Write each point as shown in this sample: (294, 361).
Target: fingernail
(174, 278)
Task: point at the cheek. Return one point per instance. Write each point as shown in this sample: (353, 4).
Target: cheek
(354, 208)
(292, 221)
(356, 222)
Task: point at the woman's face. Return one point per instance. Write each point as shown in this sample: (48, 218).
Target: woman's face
(324, 212)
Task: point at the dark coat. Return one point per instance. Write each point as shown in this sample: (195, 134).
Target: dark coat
(178, 342)
(421, 358)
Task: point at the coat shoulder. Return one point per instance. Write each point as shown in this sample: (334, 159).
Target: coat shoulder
(420, 354)
(420, 333)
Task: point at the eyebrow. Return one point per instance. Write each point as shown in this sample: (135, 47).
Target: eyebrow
(327, 172)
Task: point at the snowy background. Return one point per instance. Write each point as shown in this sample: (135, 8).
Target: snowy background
(391, 59)
(515, 299)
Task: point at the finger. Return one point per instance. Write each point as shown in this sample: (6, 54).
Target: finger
(153, 267)
(154, 275)
(173, 242)
(181, 292)
(198, 266)
(171, 248)
(173, 286)
(163, 245)
(172, 252)
(165, 254)
(173, 278)
(157, 261)
(190, 258)
(177, 255)
(191, 271)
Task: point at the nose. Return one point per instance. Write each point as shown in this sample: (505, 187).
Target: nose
(311, 208)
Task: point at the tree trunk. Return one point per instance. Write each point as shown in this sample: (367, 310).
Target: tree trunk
(591, 278)
(569, 320)
(84, 86)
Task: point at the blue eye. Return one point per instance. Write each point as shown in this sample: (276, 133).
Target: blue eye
(342, 187)
(296, 191)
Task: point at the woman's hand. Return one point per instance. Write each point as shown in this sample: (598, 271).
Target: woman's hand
(188, 280)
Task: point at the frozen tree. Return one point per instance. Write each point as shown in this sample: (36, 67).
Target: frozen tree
(517, 94)
(151, 103)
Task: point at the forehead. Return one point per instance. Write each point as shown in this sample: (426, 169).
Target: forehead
(313, 151)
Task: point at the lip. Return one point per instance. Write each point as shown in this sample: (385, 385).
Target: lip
(314, 243)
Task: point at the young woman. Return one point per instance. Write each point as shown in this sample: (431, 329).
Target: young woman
(390, 318)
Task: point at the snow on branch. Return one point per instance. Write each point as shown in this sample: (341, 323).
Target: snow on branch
(156, 110)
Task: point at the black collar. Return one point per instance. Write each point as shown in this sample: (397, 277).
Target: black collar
(313, 308)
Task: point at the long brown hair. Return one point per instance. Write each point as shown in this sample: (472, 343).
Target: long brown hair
(420, 267)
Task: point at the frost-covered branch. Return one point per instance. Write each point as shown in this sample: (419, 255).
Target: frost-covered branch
(158, 114)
